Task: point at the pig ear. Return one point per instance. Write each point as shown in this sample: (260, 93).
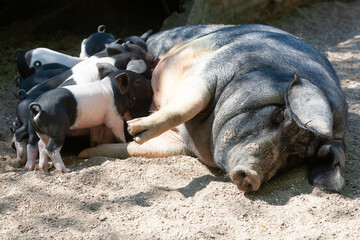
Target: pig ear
(123, 81)
(309, 107)
(137, 66)
(105, 69)
(114, 49)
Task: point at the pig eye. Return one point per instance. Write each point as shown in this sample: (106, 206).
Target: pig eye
(279, 115)
(138, 83)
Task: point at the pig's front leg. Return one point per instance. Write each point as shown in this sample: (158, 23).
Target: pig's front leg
(96, 135)
(116, 124)
(189, 99)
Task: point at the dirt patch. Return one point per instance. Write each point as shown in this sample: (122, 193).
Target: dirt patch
(178, 197)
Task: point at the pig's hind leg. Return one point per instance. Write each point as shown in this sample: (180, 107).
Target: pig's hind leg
(190, 97)
(53, 149)
(43, 156)
(165, 145)
(50, 147)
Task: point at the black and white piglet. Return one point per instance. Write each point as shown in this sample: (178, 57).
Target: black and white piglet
(56, 112)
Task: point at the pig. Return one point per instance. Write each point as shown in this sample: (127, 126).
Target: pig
(89, 70)
(36, 78)
(96, 42)
(56, 112)
(252, 100)
(26, 60)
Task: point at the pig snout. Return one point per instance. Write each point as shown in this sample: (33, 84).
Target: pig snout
(246, 179)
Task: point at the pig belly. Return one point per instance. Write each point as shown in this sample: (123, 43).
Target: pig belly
(91, 112)
(184, 64)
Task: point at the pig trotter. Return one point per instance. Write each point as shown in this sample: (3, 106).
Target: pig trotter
(245, 179)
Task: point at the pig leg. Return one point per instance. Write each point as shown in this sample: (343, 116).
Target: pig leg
(190, 98)
(165, 145)
(101, 134)
(52, 149)
(32, 152)
(96, 134)
(21, 151)
(31, 149)
(116, 125)
(43, 157)
(108, 136)
(57, 160)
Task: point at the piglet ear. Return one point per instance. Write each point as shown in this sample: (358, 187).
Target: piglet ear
(309, 107)
(105, 69)
(123, 81)
(137, 66)
(115, 48)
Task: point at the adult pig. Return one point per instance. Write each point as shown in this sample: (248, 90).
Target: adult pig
(56, 112)
(250, 99)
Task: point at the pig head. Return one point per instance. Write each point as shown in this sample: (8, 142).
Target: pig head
(274, 123)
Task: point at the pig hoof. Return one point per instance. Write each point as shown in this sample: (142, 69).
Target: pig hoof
(29, 167)
(246, 180)
(63, 170)
(135, 126)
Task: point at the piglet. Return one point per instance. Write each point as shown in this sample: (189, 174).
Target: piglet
(56, 112)
(96, 42)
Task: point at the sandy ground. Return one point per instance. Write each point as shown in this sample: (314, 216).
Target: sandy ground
(178, 197)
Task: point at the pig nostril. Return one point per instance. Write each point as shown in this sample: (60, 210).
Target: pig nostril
(246, 180)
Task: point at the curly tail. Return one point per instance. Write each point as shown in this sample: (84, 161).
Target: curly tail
(20, 94)
(18, 52)
(101, 29)
(36, 109)
(17, 80)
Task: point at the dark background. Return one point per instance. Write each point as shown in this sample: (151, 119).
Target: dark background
(38, 18)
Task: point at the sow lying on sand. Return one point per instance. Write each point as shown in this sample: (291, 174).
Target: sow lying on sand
(250, 99)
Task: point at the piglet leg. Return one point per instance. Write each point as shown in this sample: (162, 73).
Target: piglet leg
(57, 160)
(43, 157)
(32, 152)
